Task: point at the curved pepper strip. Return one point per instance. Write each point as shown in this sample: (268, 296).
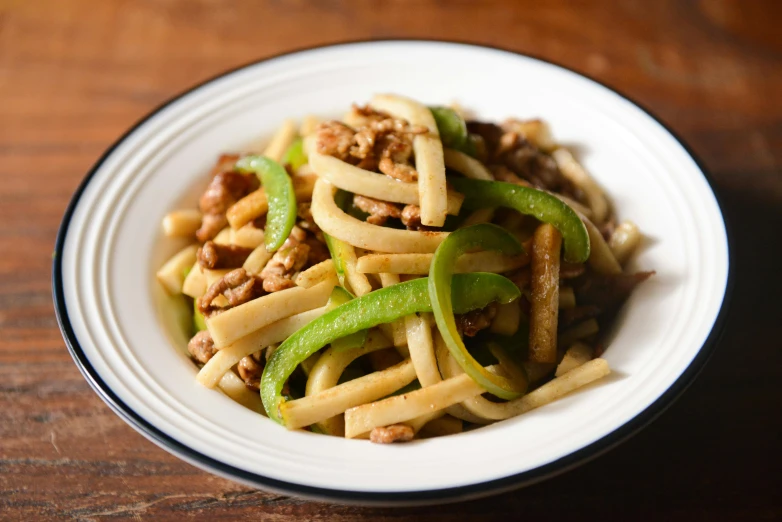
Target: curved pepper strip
(340, 296)
(279, 193)
(451, 126)
(295, 156)
(532, 202)
(453, 130)
(485, 237)
(470, 291)
(199, 322)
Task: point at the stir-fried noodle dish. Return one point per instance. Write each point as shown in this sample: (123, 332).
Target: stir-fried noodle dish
(403, 273)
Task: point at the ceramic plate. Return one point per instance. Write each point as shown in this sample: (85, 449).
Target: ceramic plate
(129, 346)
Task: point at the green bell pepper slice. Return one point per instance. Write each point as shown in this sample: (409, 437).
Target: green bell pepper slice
(294, 155)
(451, 126)
(337, 250)
(198, 318)
(279, 193)
(484, 237)
(532, 202)
(338, 297)
(470, 291)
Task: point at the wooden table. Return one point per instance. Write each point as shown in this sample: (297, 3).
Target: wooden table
(75, 74)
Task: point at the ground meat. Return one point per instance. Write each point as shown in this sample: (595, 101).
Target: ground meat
(306, 221)
(503, 173)
(379, 211)
(489, 133)
(214, 256)
(289, 259)
(335, 139)
(319, 252)
(607, 292)
(250, 371)
(411, 218)
(523, 162)
(393, 433)
(399, 171)
(225, 188)
(201, 347)
(379, 142)
(575, 315)
(224, 163)
(237, 286)
(473, 322)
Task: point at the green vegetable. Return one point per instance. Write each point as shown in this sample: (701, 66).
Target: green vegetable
(337, 250)
(484, 237)
(295, 156)
(451, 126)
(533, 202)
(470, 291)
(279, 193)
(340, 296)
(198, 318)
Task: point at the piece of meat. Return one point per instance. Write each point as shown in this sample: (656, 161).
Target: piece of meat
(215, 256)
(290, 258)
(250, 371)
(392, 433)
(224, 163)
(225, 188)
(578, 314)
(399, 171)
(378, 140)
(411, 218)
(334, 138)
(379, 211)
(201, 347)
(237, 286)
(319, 252)
(473, 322)
(607, 292)
(503, 173)
(489, 133)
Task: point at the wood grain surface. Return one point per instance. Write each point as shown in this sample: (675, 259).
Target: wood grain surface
(75, 74)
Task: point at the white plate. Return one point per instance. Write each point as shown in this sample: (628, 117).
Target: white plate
(132, 353)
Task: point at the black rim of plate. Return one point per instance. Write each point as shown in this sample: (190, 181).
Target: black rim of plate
(380, 498)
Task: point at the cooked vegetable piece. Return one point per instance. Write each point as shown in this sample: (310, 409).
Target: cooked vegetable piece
(340, 296)
(344, 256)
(486, 237)
(544, 302)
(198, 318)
(451, 126)
(470, 291)
(280, 196)
(294, 155)
(532, 202)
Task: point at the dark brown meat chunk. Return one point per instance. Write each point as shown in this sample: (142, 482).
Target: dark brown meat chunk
(214, 256)
(379, 211)
(489, 133)
(290, 258)
(607, 292)
(237, 286)
(225, 188)
(575, 315)
(411, 218)
(201, 347)
(250, 370)
(473, 322)
(392, 433)
(380, 142)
